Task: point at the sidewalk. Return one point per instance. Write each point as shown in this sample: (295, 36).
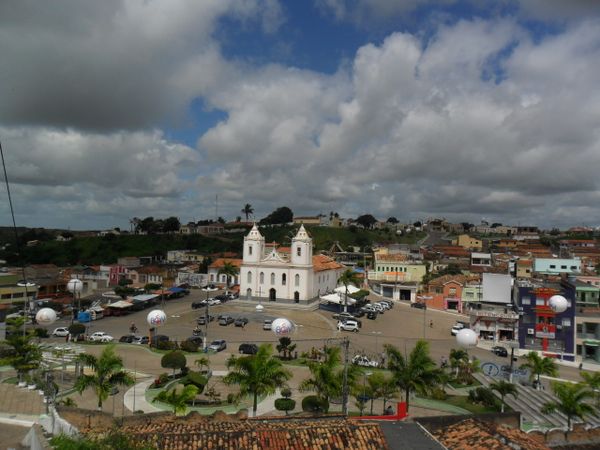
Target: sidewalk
(135, 398)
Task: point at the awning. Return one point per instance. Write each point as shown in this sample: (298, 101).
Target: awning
(176, 290)
(591, 343)
(144, 298)
(337, 298)
(351, 289)
(121, 304)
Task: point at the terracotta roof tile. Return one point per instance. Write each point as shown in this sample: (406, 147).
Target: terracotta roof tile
(324, 262)
(220, 262)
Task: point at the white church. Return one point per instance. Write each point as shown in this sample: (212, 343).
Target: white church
(286, 273)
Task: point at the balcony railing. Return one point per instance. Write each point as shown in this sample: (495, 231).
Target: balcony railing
(382, 276)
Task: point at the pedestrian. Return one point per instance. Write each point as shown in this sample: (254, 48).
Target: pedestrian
(389, 411)
(431, 324)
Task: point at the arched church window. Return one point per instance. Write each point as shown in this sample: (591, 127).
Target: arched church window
(299, 251)
(272, 278)
(262, 278)
(249, 249)
(283, 279)
(297, 280)
(249, 277)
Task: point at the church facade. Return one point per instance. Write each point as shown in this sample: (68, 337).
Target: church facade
(285, 273)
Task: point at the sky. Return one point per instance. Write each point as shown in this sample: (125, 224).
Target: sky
(460, 109)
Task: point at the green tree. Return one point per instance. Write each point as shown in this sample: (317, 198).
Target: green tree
(327, 375)
(539, 366)
(592, 381)
(247, 210)
(347, 278)
(366, 220)
(259, 374)
(177, 398)
(112, 440)
(571, 401)
(171, 225)
(286, 347)
(76, 329)
(416, 372)
(458, 356)
(504, 388)
(173, 360)
(229, 270)
(382, 387)
(281, 215)
(23, 354)
(107, 373)
(202, 362)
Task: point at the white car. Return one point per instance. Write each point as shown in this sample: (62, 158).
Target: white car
(384, 305)
(348, 325)
(61, 332)
(101, 336)
(213, 301)
(362, 360)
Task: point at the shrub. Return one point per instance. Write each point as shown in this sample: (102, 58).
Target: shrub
(438, 394)
(314, 404)
(195, 378)
(40, 332)
(484, 396)
(162, 379)
(189, 346)
(285, 404)
(166, 345)
(232, 398)
(286, 392)
(76, 329)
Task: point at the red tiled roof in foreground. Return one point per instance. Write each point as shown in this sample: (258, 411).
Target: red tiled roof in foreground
(321, 433)
(324, 262)
(473, 434)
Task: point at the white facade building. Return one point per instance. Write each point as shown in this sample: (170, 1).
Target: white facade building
(286, 273)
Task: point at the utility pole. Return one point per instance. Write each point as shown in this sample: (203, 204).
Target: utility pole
(346, 345)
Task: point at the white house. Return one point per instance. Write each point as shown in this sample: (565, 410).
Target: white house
(286, 273)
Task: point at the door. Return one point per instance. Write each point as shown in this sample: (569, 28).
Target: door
(272, 294)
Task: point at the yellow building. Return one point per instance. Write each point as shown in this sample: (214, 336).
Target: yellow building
(316, 220)
(11, 292)
(466, 241)
(524, 268)
(397, 267)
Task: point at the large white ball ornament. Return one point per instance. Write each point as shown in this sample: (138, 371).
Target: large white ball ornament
(282, 327)
(75, 285)
(466, 338)
(46, 316)
(156, 318)
(558, 303)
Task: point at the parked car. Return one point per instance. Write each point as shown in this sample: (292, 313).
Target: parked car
(372, 315)
(348, 325)
(419, 305)
(213, 301)
(218, 345)
(379, 308)
(241, 322)
(222, 297)
(200, 304)
(61, 332)
(159, 338)
(388, 302)
(209, 287)
(367, 308)
(226, 320)
(248, 349)
(129, 338)
(500, 351)
(343, 316)
(198, 340)
(456, 328)
(267, 324)
(101, 336)
(362, 360)
(143, 340)
(358, 313)
(384, 305)
(232, 296)
(203, 319)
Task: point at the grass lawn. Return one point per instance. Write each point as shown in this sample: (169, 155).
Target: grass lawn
(11, 380)
(463, 402)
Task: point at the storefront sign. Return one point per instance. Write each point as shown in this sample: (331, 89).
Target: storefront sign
(545, 334)
(496, 315)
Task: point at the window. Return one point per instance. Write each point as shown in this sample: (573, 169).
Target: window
(5, 296)
(249, 249)
(566, 322)
(552, 266)
(452, 292)
(283, 279)
(297, 280)
(18, 295)
(573, 267)
(579, 328)
(262, 278)
(299, 251)
(249, 277)
(539, 302)
(526, 301)
(272, 278)
(563, 267)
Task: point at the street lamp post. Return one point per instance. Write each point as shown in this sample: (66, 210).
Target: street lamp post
(424, 301)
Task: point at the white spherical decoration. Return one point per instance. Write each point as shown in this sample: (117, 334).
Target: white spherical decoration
(282, 327)
(558, 303)
(259, 308)
(466, 338)
(156, 318)
(75, 285)
(46, 316)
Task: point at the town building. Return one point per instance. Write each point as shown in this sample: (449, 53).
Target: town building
(214, 275)
(468, 242)
(286, 273)
(524, 268)
(13, 289)
(555, 266)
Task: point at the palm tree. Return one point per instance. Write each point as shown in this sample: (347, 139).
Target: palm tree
(177, 399)
(229, 270)
(247, 210)
(108, 373)
(286, 347)
(592, 380)
(571, 401)
(457, 357)
(380, 386)
(504, 388)
(539, 366)
(416, 372)
(346, 278)
(202, 362)
(258, 374)
(327, 376)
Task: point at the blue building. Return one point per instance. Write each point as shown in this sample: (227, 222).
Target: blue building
(540, 328)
